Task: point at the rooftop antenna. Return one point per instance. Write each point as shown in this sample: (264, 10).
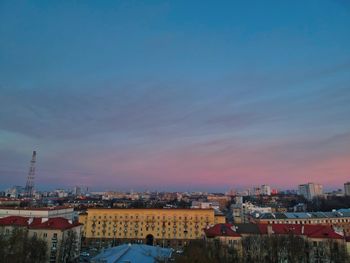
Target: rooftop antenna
(29, 189)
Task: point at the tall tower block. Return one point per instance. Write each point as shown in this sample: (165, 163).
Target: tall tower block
(29, 189)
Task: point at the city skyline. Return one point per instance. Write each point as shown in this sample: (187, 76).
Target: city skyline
(175, 95)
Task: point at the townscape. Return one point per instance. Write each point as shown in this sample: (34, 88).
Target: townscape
(80, 225)
(175, 131)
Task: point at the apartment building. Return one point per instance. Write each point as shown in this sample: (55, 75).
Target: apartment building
(163, 227)
(310, 190)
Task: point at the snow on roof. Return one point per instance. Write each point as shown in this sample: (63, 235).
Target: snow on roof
(132, 253)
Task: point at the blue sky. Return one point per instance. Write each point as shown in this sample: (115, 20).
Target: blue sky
(175, 94)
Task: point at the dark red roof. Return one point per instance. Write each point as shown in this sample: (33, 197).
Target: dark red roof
(14, 221)
(312, 231)
(221, 230)
(54, 223)
(58, 223)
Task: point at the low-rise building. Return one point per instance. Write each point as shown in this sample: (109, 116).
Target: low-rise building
(9, 202)
(224, 233)
(232, 235)
(42, 212)
(242, 212)
(339, 218)
(60, 234)
(205, 205)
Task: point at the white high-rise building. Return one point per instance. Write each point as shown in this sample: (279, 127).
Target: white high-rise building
(310, 190)
(265, 189)
(347, 189)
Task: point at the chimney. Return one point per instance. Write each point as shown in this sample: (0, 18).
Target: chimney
(302, 229)
(44, 219)
(269, 229)
(30, 220)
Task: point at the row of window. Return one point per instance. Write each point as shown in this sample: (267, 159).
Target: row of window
(147, 228)
(319, 221)
(152, 217)
(151, 224)
(179, 235)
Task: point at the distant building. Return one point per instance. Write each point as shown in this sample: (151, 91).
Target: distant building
(77, 191)
(15, 191)
(265, 189)
(310, 190)
(205, 205)
(9, 202)
(44, 212)
(52, 230)
(133, 253)
(238, 199)
(274, 191)
(222, 200)
(347, 189)
(243, 211)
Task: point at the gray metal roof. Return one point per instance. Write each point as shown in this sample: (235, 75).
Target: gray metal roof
(307, 215)
(133, 253)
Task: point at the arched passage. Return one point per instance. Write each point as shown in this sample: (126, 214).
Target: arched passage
(149, 240)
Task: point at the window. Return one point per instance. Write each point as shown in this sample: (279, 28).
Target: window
(45, 234)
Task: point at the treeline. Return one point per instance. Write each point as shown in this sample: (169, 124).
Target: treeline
(329, 203)
(266, 249)
(17, 247)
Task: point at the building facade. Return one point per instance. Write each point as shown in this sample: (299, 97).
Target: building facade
(163, 227)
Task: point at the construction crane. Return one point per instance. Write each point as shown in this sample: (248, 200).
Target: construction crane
(29, 189)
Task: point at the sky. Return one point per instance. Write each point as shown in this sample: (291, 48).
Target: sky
(175, 95)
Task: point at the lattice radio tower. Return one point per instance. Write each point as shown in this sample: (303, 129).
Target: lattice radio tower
(29, 190)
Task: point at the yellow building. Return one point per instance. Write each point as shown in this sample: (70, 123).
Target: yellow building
(164, 227)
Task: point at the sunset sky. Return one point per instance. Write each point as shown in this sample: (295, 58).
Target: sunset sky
(175, 95)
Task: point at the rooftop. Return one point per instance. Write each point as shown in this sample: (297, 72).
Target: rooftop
(307, 215)
(36, 208)
(311, 231)
(58, 223)
(221, 230)
(132, 253)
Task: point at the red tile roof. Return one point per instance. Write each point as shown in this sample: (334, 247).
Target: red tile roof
(221, 230)
(312, 231)
(54, 223)
(14, 221)
(58, 223)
